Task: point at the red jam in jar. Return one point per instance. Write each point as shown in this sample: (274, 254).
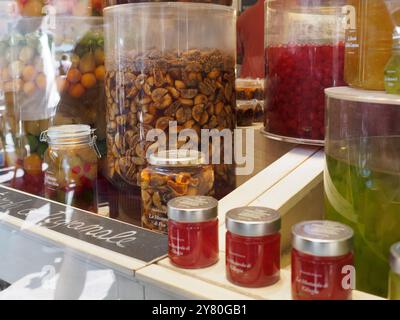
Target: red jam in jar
(253, 246)
(322, 261)
(193, 231)
(296, 78)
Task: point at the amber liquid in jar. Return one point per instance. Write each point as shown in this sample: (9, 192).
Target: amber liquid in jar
(368, 43)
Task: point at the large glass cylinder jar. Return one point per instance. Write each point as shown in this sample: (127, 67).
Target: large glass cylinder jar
(304, 52)
(175, 72)
(71, 159)
(362, 177)
(368, 43)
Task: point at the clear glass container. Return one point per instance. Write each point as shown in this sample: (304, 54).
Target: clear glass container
(172, 174)
(304, 50)
(71, 159)
(245, 111)
(115, 2)
(368, 43)
(79, 74)
(394, 277)
(362, 177)
(179, 66)
(249, 89)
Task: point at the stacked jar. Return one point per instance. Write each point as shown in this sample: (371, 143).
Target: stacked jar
(304, 50)
(174, 75)
(249, 101)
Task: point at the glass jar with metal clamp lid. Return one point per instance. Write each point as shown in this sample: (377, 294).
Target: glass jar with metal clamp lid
(71, 159)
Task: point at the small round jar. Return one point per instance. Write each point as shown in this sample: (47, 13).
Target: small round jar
(322, 261)
(394, 278)
(253, 246)
(193, 231)
(71, 159)
(172, 174)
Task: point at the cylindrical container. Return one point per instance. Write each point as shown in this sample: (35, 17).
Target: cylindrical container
(115, 2)
(193, 231)
(253, 246)
(179, 66)
(362, 177)
(249, 89)
(304, 52)
(322, 261)
(172, 174)
(80, 71)
(30, 98)
(394, 278)
(245, 113)
(368, 43)
(71, 159)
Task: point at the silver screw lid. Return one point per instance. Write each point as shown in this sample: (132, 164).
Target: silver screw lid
(322, 238)
(395, 258)
(253, 221)
(193, 209)
(177, 158)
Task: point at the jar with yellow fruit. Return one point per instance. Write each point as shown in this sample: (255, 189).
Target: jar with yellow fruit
(71, 161)
(80, 74)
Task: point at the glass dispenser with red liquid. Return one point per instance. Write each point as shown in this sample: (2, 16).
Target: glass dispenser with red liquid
(304, 52)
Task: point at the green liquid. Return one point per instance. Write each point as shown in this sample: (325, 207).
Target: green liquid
(362, 195)
(394, 286)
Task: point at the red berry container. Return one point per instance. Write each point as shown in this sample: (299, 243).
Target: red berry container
(322, 261)
(253, 246)
(304, 54)
(193, 231)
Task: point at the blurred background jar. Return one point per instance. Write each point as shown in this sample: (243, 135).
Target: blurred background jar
(362, 177)
(178, 67)
(394, 278)
(115, 2)
(172, 174)
(304, 44)
(368, 43)
(71, 159)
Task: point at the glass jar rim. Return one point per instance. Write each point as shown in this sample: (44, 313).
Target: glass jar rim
(177, 158)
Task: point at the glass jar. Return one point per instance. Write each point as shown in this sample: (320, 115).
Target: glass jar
(115, 2)
(249, 89)
(79, 74)
(193, 231)
(362, 177)
(172, 174)
(368, 43)
(179, 66)
(71, 159)
(304, 55)
(321, 259)
(245, 113)
(394, 278)
(253, 246)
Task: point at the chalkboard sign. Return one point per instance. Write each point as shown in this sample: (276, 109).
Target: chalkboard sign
(119, 237)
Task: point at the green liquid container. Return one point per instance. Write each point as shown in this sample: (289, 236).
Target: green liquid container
(394, 277)
(392, 69)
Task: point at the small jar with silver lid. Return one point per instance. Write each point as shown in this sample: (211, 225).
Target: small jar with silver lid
(322, 261)
(171, 174)
(253, 246)
(193, 231)
(394, 282)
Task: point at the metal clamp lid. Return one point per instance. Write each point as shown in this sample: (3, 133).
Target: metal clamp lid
(322, 238)
(70, 135)
(193, 209)
(253, 221)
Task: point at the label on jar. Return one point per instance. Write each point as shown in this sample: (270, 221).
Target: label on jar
(237, 263)
(305, 28)
(178, 246)
(312, 283)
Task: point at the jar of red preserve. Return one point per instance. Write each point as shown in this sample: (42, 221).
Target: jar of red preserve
(253, 246)
(322, 261)
(193, 231)
(304, 52)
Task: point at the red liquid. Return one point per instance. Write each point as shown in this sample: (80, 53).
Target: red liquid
(252, 261)
(319, 278)
(296, 78)
(193, 245)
